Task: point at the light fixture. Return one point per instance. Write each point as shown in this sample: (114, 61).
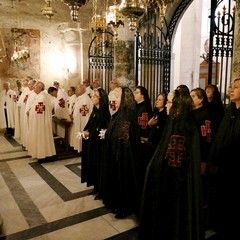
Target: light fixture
(160, 6)
(74, 6)
(98, 22)
(133, 10)
(114, 17)
(48, 10)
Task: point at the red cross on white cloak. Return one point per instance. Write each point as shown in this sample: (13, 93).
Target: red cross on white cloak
(112, 105)
(40, 108)
(25, 99)
(84, 110)
(61, 103)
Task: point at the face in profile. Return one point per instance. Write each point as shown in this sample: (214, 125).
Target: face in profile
(170, 97)
(117, 95)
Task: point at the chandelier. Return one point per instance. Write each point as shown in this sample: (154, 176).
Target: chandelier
(133, 10)
(98, 22)
(114, 17)
(48, 10)
(160, 6)
(74, 6)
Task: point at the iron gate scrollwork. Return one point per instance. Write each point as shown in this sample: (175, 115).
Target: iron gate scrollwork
(222, 20)
(153, 54)
(101, 59)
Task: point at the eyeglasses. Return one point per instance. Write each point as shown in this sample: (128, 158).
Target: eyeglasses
(113, 82)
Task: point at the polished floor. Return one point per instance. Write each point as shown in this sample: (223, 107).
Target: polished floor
(47, 201)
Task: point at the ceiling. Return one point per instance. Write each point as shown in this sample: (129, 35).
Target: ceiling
(27, 13)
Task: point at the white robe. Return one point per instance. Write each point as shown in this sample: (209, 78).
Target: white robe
(20, 115)
(61, 111)
(81, 112)
(10, 98)
(71, 102)
(89, 91)
(40, 141)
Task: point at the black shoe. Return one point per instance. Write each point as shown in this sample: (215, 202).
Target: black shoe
(121, 215)
(114, 211)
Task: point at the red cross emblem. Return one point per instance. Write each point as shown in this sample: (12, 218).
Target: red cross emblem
(175, 151)
(112, 105)
(143, 120)
(206, 131)
(25, 99)
(40, 108)
(61, 103)
(84, 110)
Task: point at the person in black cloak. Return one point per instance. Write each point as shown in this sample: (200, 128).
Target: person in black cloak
(214, 106)
(93, 144)
(144, 114)
(157, 122)
(120, 167)
(224, 159)
(171, 204)
(204, 124)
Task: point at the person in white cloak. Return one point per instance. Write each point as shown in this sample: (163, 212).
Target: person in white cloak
(89, 89)
(112, 96)
(41, 143)
(81, 112)
(71, 99)
(60, 108)
(8, 99)
(21, 126)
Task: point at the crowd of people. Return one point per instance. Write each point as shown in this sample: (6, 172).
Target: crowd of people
(174, 165)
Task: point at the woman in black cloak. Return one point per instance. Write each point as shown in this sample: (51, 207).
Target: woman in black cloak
(171, 206)
(120, 166)
(224, 156)
(93, 144)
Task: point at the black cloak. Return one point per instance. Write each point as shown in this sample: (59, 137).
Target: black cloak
(92, 150)
(171, 206)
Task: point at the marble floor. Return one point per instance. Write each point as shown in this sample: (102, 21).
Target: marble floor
(47, 201)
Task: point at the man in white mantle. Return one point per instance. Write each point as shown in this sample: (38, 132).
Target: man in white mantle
(41, 142)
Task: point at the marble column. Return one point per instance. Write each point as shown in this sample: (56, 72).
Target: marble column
(73, 54)
(124, 55)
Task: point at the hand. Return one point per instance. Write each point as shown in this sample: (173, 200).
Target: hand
(79, 135)
(102, 133)
(153, 121)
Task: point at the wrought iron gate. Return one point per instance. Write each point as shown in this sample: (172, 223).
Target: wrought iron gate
(153, 56)
(221, 45)
(101, 59)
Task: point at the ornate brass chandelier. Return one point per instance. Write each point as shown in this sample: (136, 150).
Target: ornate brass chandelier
(74, 6)
(98, 22)
(134, 9)
(114, 17)
(48, 10)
